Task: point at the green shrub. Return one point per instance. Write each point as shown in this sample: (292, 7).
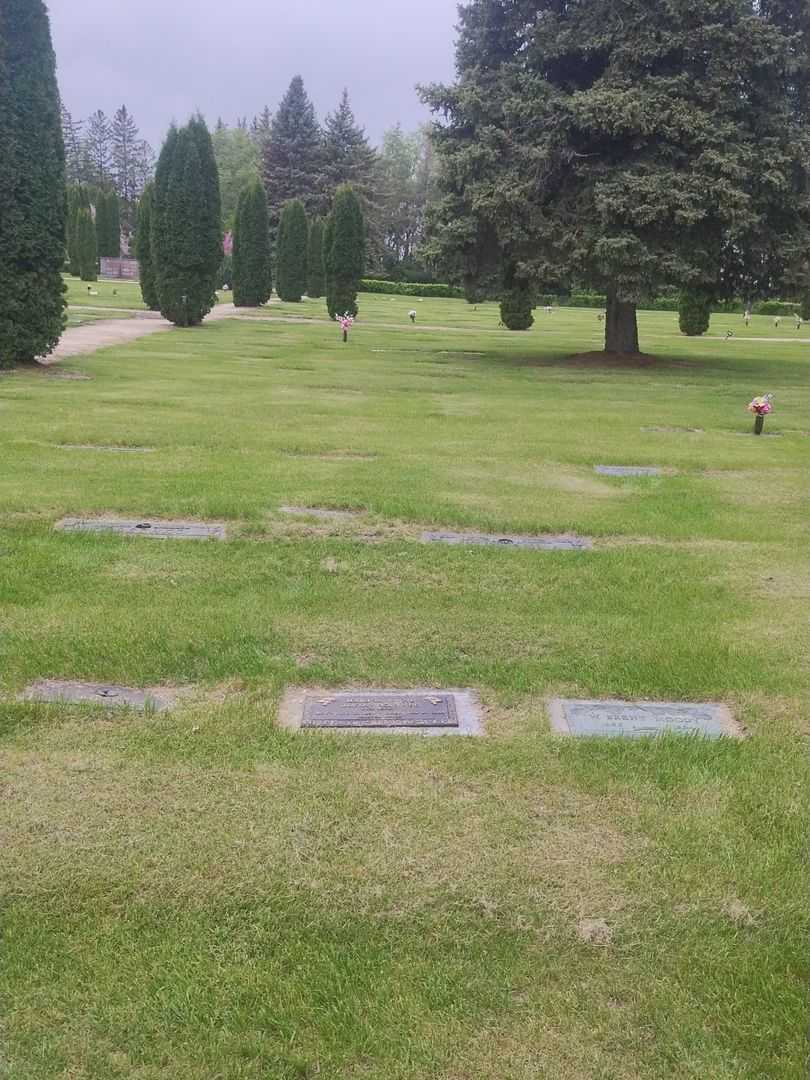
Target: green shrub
(316, 282)
(291, 252)
(694, 312)
(86, 245)
(774, 307)
(410, 288)
(517, 303)
(226, 272)
(345, 255)
(252, 280)
(805, 308)
(143, 249)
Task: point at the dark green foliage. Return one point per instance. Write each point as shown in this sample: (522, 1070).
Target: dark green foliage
(694, 312)
(316, 281)
(410, 288)
(32, 186)
(225, 275)
(252, 281)
(143, 249)
(293, 155)
(345, 253)
(328, 270)
(86, 245)
(804, 311)
(108, 224)
(291, 252)
(613, 146)
(78, 197)
(517, 303)
(186, 237)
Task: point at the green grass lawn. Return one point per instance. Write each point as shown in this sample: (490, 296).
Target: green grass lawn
(198, 895)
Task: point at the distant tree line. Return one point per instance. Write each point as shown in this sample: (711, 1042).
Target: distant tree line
(108, 155)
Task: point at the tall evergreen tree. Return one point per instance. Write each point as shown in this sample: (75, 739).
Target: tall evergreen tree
(143, 250)
(86, 245)
(326, 262)
(72, 139)
(98, 149)
(291, 252)
(32, 185)
(293, 156)
(124, 150)
(316, 285)
(260, 129)
(252, 281)
(78, 198)
(108, 224)
(186, 234)
(347, 156)
(345, 256)
(624, 148)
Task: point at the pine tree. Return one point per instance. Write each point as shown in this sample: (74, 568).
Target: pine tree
(626, 153)
(347, 156)
(98, 149)
(260, 129)
(293, 157)
(694, 312)
(252, 281)
(186, 236)
(143, 250)
(345, 257)
(32, 186)
(291, 252)
(316, 285)
(124, 150)
(72, 139)
(86, 245)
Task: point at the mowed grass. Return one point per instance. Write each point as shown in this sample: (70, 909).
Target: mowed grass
(198, 894)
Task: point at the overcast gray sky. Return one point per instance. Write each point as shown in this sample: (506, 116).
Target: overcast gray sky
(166, 58)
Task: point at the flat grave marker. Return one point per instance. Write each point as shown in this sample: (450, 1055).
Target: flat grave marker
(404, 712)
(108, 695)
(628, 470)
(107, 449)
(155, 529)
(541, 543)
(640, 719)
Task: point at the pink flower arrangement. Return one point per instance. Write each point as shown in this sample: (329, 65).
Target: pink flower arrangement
(346, 322)
(761, 406)
(227, 243)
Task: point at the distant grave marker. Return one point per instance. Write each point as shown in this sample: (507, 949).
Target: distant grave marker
(414, 712)
(636, 720)
(107, 695)
(627, 470)
(107, 449)
(541, 543)
(157, 530)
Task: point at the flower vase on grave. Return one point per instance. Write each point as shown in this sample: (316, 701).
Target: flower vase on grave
(759, 424)
(345, 335)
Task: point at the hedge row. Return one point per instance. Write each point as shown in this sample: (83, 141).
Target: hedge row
(410, 288)
(575, 300)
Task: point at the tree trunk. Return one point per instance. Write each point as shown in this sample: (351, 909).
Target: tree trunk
(621, 328)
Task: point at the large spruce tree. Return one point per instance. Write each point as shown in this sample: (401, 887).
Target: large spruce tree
(344, 252)
(626, 145)
(143, 250)
(252, 280)
(293, 155)
(316, 284)
(32, 186)
(186, 236)
(78, 198)
(291, 252)
(108, 224)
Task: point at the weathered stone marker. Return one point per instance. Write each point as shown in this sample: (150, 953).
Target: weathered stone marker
(640, 719)
(157, 530)
(106, 694)
(416, 712)
(542, 543)
(627, 470)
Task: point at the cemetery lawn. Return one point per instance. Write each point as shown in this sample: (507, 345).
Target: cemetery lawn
(197, 894)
